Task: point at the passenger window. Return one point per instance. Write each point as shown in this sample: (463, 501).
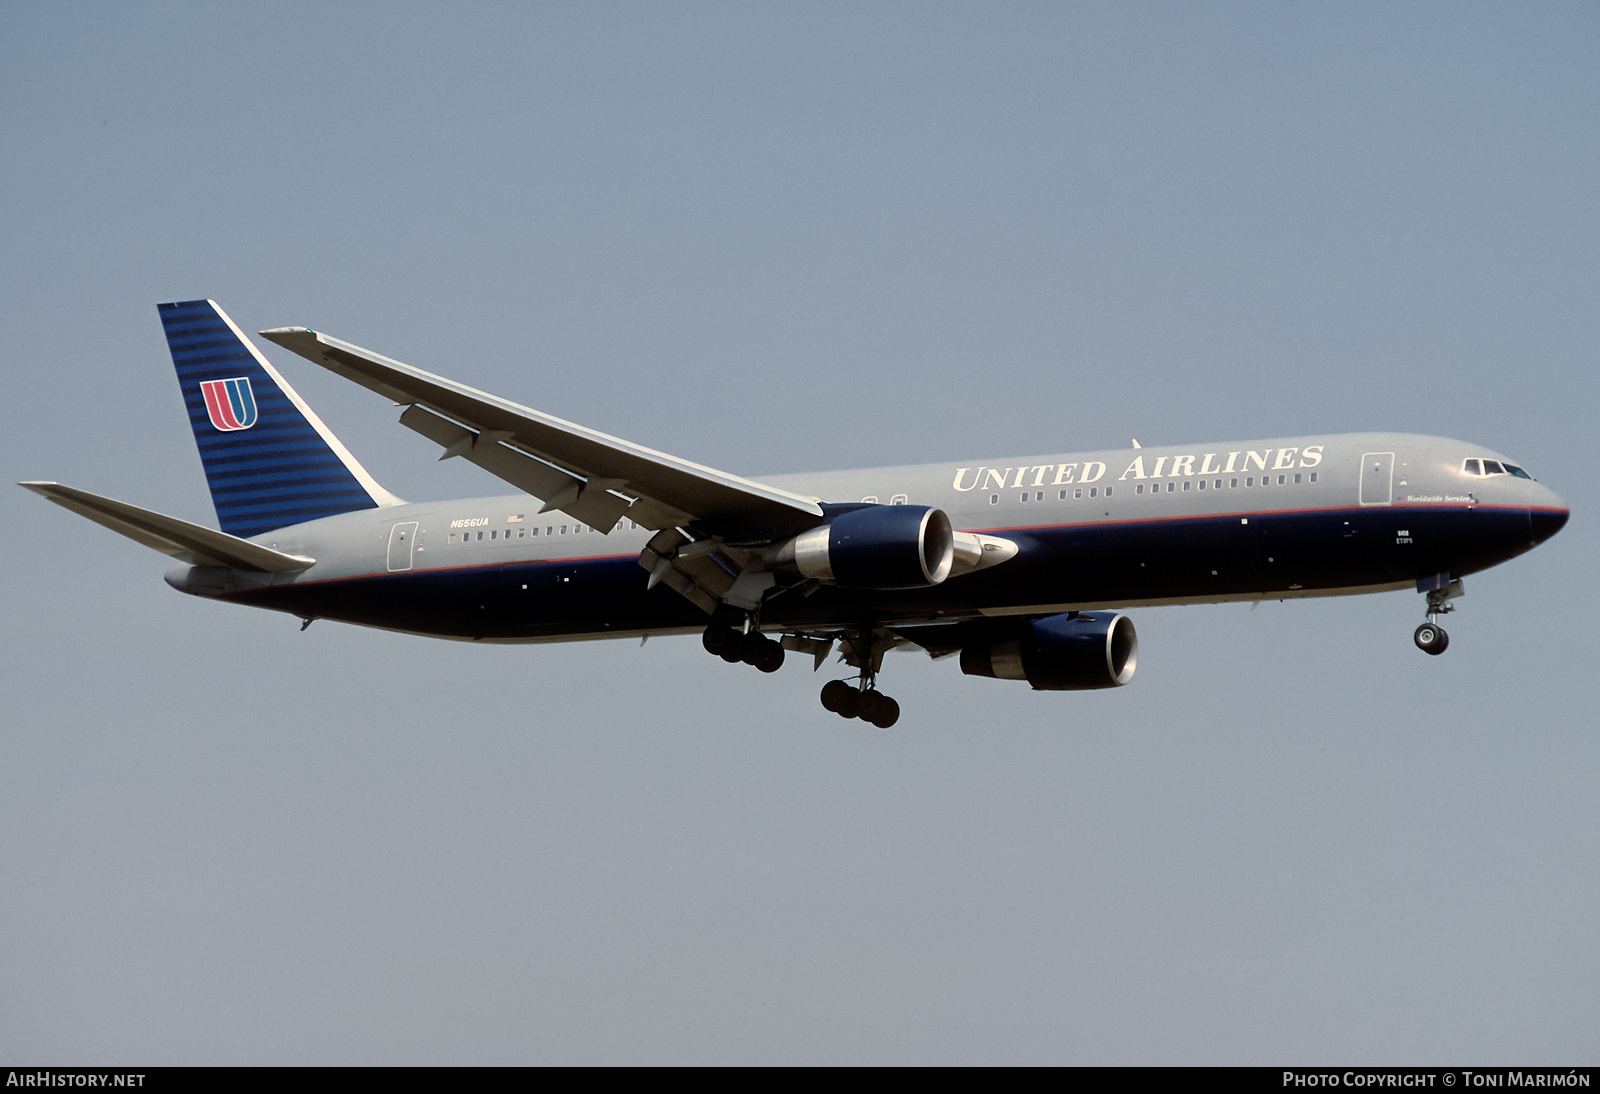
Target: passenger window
(1202, 484)
(534, 532)
(480, 535)
(1251, 481)
(1171, 486)
(1297, 478)
(1232, 483)
(1217, 485)
(1063, 495)
(1108, 491)
(1313, 476)
(1186, 485)
(1024, 495)
(1093, 490)
(452, 538)
(1078, 493)
(1040, 496)
(1139, 489)
(563, 529)
(994, 499)
(1281, 479)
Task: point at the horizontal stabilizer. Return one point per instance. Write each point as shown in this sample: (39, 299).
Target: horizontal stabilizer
(183, 541)
(655, 489)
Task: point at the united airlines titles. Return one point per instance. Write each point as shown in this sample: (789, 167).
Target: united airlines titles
(1169, 467)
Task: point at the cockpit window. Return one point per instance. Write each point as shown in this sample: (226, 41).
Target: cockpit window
(1493, 467)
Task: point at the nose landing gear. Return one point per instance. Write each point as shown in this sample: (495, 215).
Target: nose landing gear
(1430, 637)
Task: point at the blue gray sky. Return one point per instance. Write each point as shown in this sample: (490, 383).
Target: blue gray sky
(789, 237)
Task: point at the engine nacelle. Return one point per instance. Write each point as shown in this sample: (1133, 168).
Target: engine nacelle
(874, 547)
(1076, 651)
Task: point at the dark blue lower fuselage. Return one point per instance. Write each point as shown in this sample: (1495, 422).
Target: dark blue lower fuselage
(1176, 560)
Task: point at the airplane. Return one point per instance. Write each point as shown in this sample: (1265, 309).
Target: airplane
(1020, 566)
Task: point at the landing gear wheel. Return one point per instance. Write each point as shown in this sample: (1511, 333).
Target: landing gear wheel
(1430, 638)
(888, 713)
(835, 694)
(872, 701)
(719, 638)
(767, 655)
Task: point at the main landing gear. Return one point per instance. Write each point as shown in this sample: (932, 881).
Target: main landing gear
(863, 650)
(753, 647)
(860, 701)
(1430, 637)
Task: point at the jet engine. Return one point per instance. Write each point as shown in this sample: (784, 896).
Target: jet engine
(873, 547)
(1075, 651)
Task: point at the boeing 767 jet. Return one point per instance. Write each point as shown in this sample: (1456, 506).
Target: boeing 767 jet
(1020, 565)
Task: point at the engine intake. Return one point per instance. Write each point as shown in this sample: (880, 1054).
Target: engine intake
(1076, 651)
(873, 547)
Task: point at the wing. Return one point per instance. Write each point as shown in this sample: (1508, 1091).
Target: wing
(597, 479)
(183, 541)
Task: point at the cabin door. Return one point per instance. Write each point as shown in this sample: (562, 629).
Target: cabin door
(402, 541)
(1377, 478)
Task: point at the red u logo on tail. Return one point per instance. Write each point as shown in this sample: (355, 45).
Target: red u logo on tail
(230, 403)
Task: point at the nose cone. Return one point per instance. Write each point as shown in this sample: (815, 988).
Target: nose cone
(1547, 515)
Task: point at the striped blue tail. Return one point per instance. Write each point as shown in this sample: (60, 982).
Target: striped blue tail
(268, 458)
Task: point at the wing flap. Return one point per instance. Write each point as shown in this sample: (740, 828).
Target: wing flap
(178, 538)
(658, 485)
(589, 501)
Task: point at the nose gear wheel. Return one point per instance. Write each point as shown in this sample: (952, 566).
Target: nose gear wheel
(1430, 637)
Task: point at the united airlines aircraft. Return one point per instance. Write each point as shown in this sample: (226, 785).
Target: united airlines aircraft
(1019, 565)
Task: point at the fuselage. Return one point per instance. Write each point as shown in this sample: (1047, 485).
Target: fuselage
(1248, 520)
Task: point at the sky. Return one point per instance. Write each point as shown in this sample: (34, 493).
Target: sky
(775, 238)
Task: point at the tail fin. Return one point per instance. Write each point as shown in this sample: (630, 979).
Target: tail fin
(268, 458)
